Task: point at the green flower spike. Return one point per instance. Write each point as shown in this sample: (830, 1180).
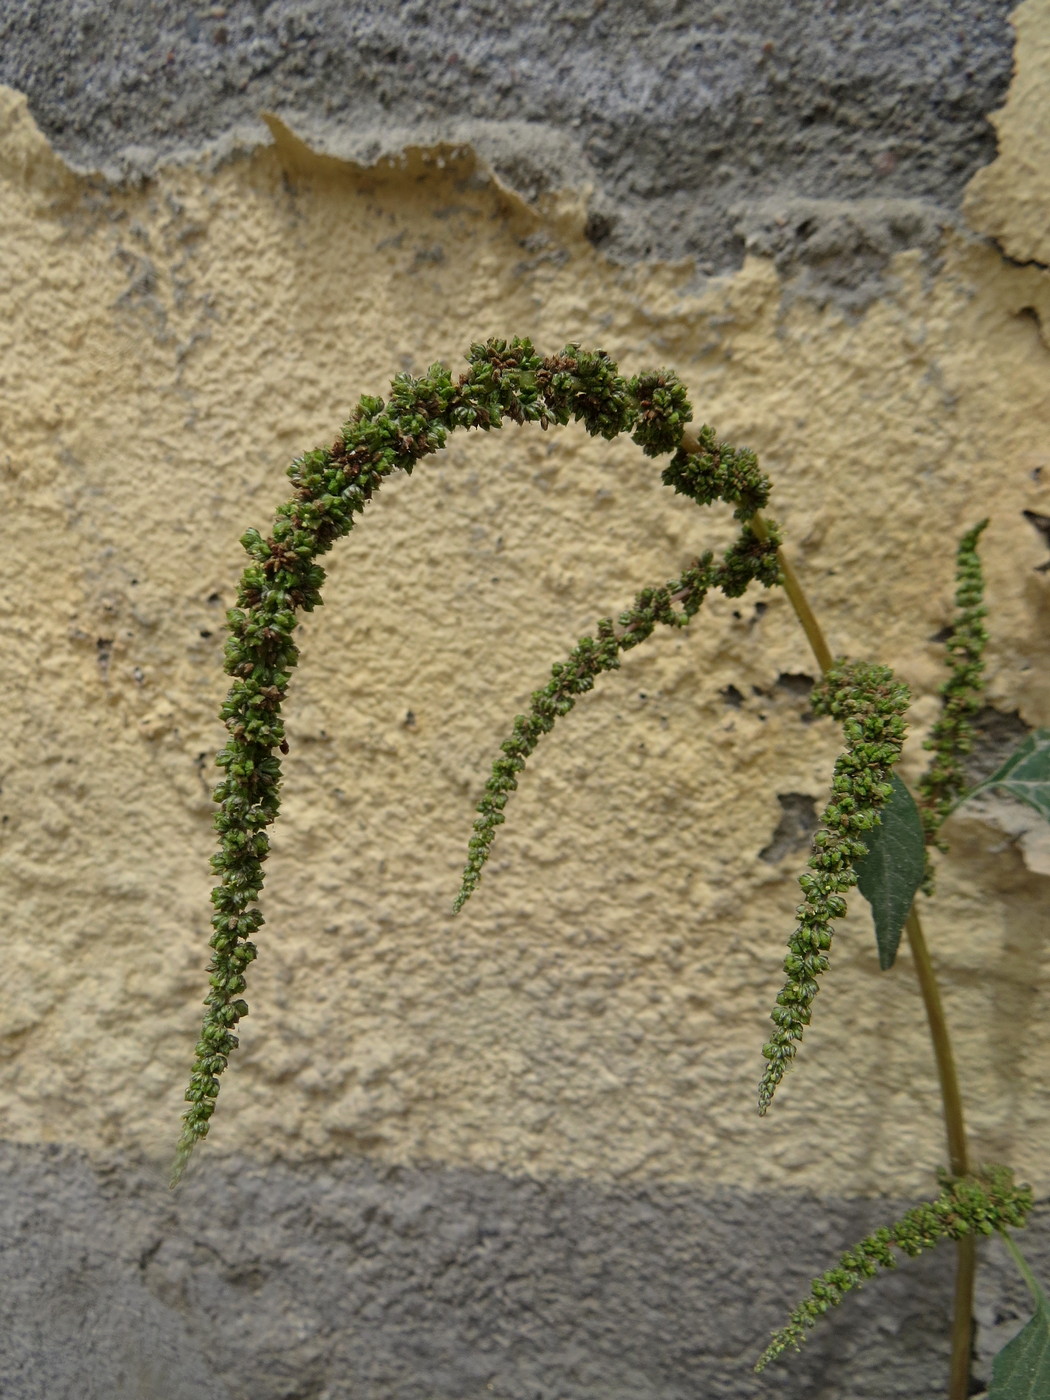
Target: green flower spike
(871, 706)
(951, 737)
(976, 1205)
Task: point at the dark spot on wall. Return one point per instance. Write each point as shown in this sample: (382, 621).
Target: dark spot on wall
(732, 697)
(798, 822)
(1029, 313)
(1042, 524)
(598, 228)
(995, 736)
(796, 684)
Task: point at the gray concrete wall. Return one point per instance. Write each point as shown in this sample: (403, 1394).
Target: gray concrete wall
(352, 1281)
(687, 118)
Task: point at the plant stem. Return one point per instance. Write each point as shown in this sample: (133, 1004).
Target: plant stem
(962, 1318)
(799, 601)
(958, 1156)
(955, 1127)
(1038, 1296)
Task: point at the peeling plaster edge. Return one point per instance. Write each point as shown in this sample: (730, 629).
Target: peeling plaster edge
(847, 261)
(513, 156)
(312, 145)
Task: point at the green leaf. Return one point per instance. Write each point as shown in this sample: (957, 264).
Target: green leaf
(1025, 774)
(892, 871)
(1021, 1371)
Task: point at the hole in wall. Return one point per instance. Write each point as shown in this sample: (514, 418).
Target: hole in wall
(798, 822)
(598, 228)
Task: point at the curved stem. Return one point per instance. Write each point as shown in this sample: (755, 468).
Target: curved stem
(799, 601)
(1038, 1296)
(955, 1126)
(792, 587)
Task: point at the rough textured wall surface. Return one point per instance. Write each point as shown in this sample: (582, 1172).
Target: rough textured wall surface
(353, 1280)
(1008, 199)
(682, 116)
(513, 1153)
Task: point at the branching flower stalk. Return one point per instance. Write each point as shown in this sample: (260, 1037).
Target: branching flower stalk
(509, 380)
(965, 1208)
(950, 740)
(334, 485)
(742, 564)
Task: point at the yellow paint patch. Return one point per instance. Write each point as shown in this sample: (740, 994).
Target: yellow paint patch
(1010, 199)
(599, 1007)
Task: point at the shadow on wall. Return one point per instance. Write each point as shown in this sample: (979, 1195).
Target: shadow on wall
(357, 1282)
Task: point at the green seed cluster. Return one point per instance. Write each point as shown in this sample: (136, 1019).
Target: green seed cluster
(871, 707)
(718, 472)
(504, 379)
(749, 559)
(976, 1205)
(952, 736)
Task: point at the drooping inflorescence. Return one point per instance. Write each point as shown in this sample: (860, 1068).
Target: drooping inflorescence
(951, 737)
(871, 706)
(569, 678)
(589, 658)
(334, 485)
(977, 1205)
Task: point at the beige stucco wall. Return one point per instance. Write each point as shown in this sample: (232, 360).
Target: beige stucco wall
(599, 1007)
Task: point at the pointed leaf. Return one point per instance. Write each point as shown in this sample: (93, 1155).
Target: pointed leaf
(1025, 774)
(1021, 1371)
(891, 873)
